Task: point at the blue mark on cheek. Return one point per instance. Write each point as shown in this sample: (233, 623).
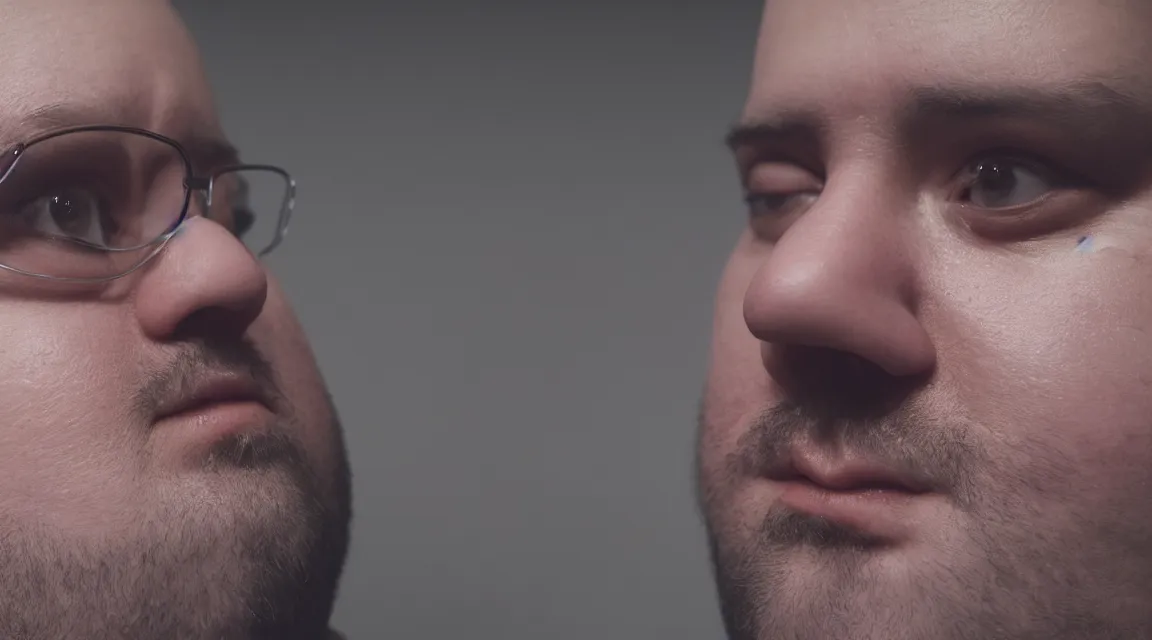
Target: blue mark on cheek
(1084, 245)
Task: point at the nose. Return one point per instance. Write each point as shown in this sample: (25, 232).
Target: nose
(843, 278)
(204, 281)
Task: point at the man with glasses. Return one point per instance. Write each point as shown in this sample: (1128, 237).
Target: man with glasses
(172, 465)
(928, 412)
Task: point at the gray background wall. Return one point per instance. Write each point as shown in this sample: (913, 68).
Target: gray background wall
(510, 222)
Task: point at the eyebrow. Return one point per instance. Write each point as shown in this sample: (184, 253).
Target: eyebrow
(203, 150)
(1089, 107)
(1073, 103)
(775, 125)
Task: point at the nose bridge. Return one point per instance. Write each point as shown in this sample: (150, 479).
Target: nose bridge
(854, 238)
(843, 277)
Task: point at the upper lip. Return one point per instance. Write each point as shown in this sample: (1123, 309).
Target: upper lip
(211, 389)
(847, 473)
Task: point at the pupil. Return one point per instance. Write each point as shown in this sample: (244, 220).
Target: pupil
(67, 216)
(60, 207)
(996, 177)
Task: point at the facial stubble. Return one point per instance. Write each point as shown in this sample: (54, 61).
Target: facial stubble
(1007, 566)
(248, 551)
(249, 546)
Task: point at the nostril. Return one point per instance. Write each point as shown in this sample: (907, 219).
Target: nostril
(215, 321)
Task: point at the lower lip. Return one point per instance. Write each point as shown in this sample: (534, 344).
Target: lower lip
(876, 511)
(220, 419)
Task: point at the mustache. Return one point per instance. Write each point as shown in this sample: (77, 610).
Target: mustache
(197, 358)
(944, 454)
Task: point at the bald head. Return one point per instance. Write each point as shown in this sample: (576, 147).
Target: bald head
(121, 61)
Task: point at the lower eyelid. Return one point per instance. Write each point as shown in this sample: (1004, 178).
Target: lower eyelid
(1056, 210)
(768, 199)
(780, 204)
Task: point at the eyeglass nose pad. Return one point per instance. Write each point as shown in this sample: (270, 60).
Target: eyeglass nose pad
(200, 194)
(198, 205)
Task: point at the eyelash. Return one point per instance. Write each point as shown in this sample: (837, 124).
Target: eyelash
(1051, 172)
(1056, 177)
(777, 201)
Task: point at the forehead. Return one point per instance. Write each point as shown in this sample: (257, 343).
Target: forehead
(857, 58)
(113, 61)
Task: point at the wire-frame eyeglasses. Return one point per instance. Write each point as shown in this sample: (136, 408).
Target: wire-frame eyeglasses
(95, 203)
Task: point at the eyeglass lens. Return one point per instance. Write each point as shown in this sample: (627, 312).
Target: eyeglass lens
(93, 204)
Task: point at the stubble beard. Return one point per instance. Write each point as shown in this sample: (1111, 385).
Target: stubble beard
(1021, 564)
(252, 549)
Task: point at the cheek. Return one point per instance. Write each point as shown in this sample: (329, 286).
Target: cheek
(1062, 370)
(737, 385)
(282, 340)
(64, 386)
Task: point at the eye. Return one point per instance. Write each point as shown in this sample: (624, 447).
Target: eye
(762, 205)
(73, 213)
(779, 189)
(1001, 182)
(242, 221)
(231, 205)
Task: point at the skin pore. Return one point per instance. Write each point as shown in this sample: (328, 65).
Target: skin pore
(913, 288)
(115, 524)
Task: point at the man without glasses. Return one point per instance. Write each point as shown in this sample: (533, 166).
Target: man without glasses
(928, 412)
(173, 467)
